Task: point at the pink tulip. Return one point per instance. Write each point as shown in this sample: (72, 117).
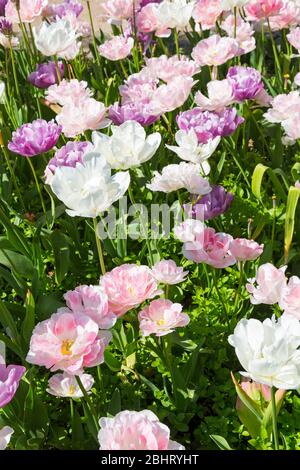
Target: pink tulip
(288, 16)
(118, 10)
(29, 10)
(207, 13)
(68, 92)
(148, 21)
(204, 245)
(5, 435)
(66, 385)
(10, 377)
(76, 118)
(215, 50)
(243, 32)
(290, 297)
(245, 250)
(172, 95)
(135, 430)
(116, 48)
(167, 272)
(68, 342)
(167, 68)
(259, 9)
(294, 38)
(283, 107)
(220, 95)
(161, 317)
(127, 286)
(92, 302)
(270, 283)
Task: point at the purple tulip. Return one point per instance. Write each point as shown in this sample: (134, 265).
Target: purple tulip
(6, 27)
(211, 205)
(68, 155)
(209, 124)
(10, 377)
(246, 82)
(2, 7)
(130, 111)
(35, 138)
(46, 74)
(62, 9)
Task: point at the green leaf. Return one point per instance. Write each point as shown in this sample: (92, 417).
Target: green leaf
(257, 178)
(112, 362)
(115, 403)
(17, 262)
(220, 442)
(8, 322)
(29, 320)
(248, 402)
(61, 251)
(293, 197)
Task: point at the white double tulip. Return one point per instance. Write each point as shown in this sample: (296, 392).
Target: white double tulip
(268, 350)
(89, 189)
(128, 146)
(55, 39)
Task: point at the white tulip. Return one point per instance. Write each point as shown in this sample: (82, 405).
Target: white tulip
(190, 150)
(89, 189)
(55, 39)
(5, 435)
(227, 5)
(175, 13)
(128, 146)
(268, 350)
(174, 177)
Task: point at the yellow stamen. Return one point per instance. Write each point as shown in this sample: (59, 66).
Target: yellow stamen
(160, 322)
(66, 347)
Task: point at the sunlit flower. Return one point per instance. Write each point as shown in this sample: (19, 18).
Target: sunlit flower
(245, 250)
(65, 385)
(268, 285)
(161, 317)
(215, 50)
(220, 95)
(45, 75)
(5, 435)
(135, 430)
(55, 39)
(116, 48)
(167, 272)
(10, 377)
(289, 299)
(29, 10)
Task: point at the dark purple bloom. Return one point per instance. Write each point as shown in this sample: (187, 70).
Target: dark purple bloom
(130, 111)
(10, 377)
(46, 74)
(6, 27)
(209, 124)
(145, 2)
(2, 7)
(62, 9)
(35, 138)
(68, 155)
(211, 205)
(246, 82)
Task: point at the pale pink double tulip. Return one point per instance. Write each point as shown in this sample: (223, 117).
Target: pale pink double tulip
(216, 50)
(245, 250)
(127, 286)
(268, 285)
(117, 48)
(161, 317)
(29, 10)
(67, 342)
(135, 430)
(167, 272)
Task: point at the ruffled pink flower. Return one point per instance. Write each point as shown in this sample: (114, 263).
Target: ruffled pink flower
(68, 342)
(259, 9)
(65, 385)
(268, 285)
(215, 50)
(167, 68)
(167, 272)
(29, 10)
(292, 127)
(220, 95)
(203, 245)
(68, 92)
(76, 118)
(135, 430)
(147, 21)
(283, 106)
(244, 33)
(92, 302)
(288, 16)
(207, 12)
(116, 48)
(118, 10)
(127, 286)
(5, 435)
(290, 297)
(172, 95)
(138, 86)
(10, 377)
(161, 317)
(245, 250)
(294, 38)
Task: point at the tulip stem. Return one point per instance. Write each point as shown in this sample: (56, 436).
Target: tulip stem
(274, 418)
(57, 69)
(13, 177)
(215, 284)
(37, 185)
(14, 70)
(235, 21)
(99, 248)
(89, 404)
(94, 35)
